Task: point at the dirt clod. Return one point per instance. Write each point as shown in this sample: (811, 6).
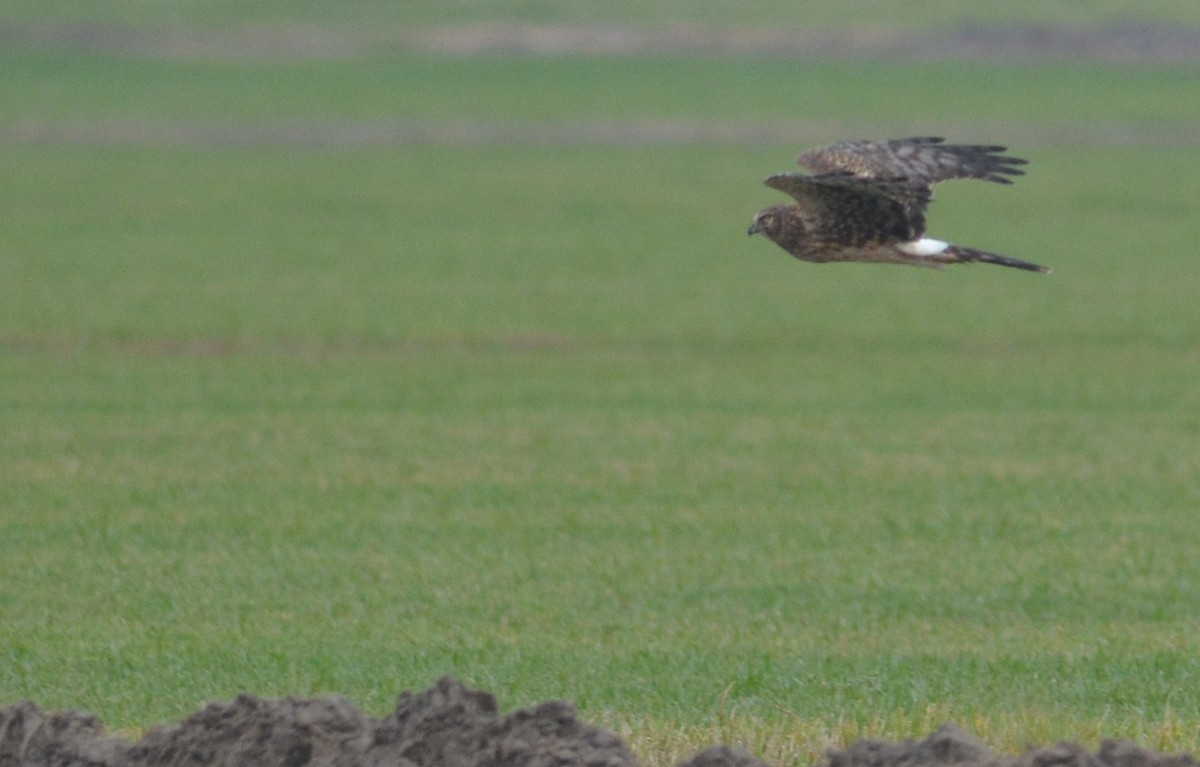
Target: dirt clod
(950, 746)
(30, 736)
(451, 725)
(249, 730)
(724, 756)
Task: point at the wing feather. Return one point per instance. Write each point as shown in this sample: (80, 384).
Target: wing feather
(923, 159)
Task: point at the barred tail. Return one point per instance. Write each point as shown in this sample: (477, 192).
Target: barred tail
(971, 255)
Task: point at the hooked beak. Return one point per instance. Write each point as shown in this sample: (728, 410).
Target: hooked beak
(755, 228)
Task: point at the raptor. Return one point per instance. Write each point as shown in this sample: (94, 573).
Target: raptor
(866, 201)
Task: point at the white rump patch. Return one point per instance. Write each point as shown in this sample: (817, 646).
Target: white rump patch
(923, 247)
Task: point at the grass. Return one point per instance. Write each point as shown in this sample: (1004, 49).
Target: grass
(644, 464)
(296, 421)
(1050, 97)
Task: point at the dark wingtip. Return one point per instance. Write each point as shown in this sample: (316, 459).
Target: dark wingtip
(994, 174)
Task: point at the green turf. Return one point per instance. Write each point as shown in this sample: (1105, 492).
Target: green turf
(295, 420)
(1055, 97)
(282, 422)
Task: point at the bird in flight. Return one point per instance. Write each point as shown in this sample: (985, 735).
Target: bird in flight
(866, 202)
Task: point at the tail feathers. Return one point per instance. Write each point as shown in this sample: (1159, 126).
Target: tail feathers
(971, 255)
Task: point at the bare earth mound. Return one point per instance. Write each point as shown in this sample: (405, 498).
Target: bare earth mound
(449, 725)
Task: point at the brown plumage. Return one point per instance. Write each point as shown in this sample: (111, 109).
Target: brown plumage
(867, 201)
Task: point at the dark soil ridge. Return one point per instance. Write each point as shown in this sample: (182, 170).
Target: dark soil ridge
(1119, 41)
(1127, 40)
(450, 725)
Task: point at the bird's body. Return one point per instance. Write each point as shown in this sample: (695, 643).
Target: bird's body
(867, 202)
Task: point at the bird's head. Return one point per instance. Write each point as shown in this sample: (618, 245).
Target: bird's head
(769, 222)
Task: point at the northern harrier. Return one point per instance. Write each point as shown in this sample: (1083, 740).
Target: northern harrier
(867, 201)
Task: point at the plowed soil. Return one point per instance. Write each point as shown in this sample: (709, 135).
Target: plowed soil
(450, 725)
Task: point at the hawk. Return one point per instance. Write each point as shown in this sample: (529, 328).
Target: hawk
(866, 202)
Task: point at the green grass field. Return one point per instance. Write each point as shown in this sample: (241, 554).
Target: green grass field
(297, 419)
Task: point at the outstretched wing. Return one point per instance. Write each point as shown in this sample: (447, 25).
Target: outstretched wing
(857, 211)
(923, 159)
